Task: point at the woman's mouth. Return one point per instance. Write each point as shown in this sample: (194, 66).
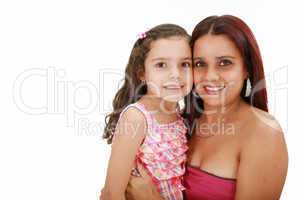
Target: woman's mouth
(213, 90)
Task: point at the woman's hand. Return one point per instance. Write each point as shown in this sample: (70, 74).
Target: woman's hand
(142, 187)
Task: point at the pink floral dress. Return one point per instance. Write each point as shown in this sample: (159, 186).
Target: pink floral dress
(163, 154)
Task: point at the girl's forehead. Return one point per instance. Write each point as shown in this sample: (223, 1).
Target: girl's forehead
(170, 40)
(168, 48)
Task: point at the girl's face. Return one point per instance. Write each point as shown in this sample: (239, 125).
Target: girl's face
(168, 69)
(219, 72)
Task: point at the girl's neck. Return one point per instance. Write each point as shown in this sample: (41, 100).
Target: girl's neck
(160, 105)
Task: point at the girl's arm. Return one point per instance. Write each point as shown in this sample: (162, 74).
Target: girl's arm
(129, 134)
(263, 166)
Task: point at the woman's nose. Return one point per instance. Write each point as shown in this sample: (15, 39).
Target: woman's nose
(211, 74)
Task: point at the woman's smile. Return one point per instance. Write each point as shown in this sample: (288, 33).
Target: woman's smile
(213, 90)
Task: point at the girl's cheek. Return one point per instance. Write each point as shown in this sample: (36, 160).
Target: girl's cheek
(189, 76)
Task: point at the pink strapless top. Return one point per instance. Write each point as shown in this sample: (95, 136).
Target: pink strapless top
(202, 185)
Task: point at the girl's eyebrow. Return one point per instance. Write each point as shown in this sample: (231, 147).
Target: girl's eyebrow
(165, 58)
(187, 58)
(159, 58)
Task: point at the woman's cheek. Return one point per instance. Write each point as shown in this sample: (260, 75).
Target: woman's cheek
(234, 88)
(197, 76)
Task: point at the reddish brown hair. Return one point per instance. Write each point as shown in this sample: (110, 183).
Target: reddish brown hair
(238, 31)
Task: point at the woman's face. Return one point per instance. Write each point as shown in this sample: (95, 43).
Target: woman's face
(219, 72)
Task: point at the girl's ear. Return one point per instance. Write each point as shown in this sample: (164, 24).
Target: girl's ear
(141, 75)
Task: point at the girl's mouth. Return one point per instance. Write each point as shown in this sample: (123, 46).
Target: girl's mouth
(173, 87)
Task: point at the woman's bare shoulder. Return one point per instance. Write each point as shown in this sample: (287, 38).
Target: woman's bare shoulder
(264, 122)
(264, 131)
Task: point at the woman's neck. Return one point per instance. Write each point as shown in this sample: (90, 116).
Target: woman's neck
(225, 113)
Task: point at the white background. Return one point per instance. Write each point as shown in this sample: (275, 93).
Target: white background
(61, 63)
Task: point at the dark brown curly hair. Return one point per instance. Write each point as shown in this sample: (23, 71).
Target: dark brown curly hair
(133, 88)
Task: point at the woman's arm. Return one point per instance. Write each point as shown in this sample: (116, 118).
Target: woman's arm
(263, 166)
(142, 187)
(130, 132)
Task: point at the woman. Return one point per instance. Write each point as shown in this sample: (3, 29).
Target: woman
(236, 149)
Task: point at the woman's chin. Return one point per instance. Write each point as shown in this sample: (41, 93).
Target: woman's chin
(213, 102)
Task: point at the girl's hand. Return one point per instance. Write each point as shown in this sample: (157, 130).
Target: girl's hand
(101, 194)
(142, 188)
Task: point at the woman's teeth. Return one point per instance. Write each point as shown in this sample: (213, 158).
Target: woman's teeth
(213, 89)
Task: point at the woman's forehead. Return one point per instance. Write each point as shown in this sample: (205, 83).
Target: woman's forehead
(218, 45)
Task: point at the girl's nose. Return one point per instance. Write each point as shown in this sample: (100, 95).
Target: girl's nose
(175, 74)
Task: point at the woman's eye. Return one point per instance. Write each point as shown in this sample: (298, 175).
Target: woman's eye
(186, 64)
(199, 64)
(225, 62)
(161, 65)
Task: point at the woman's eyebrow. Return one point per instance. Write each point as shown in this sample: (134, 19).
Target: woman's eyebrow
(222, 57)
(198, 58)
(218, 57)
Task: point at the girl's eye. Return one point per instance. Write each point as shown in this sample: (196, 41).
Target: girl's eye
(186, 64)
(199, 64)
(161, 65)
(225, 62)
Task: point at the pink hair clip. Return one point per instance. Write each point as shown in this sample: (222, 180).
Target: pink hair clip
(143, 34)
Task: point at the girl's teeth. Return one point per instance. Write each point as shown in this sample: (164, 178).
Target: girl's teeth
(173, 87)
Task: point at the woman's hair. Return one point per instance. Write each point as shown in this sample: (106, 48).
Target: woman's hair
(133, 88)
(239, 33)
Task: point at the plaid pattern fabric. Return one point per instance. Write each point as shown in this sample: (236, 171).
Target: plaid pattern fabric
(163, 154)
(171, 190)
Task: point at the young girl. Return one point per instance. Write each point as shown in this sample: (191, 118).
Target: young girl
(145, 127)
